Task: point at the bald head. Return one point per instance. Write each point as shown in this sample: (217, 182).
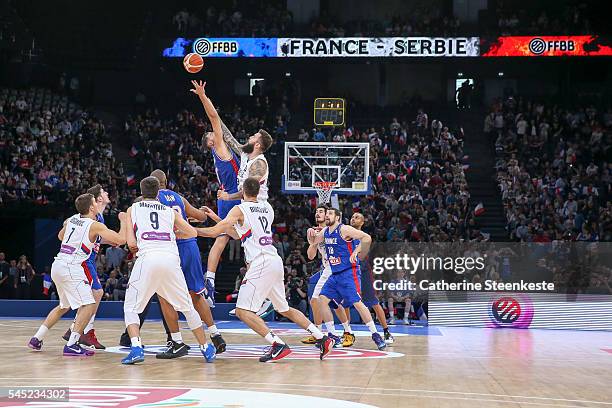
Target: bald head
(161, 176)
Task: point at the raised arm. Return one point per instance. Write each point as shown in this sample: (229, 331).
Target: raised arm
(231, 140)
(225, 226)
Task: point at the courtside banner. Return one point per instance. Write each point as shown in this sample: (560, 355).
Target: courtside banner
(546, 46)
(326, 47)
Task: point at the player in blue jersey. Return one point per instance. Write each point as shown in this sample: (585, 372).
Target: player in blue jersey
(344, 282)
(89, 338)
(368, 292)
(191, 264)
(227, 165)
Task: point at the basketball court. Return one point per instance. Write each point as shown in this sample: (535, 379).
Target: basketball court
(425, 367)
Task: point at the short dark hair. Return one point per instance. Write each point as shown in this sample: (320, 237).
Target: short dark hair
(95, 191)
(149, 187)
(250, 187)
(266, 140)
(323, 206)
(83, 203)
(336, 211)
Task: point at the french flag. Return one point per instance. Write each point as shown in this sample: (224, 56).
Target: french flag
(355, 204)
(46, 284)
(479, 210)
(379, 177)
(133, 151)
(131, 179)
(281, 227)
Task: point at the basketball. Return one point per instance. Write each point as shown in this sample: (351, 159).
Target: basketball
(193, 63)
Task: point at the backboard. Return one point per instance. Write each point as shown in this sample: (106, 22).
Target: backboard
(345, 163)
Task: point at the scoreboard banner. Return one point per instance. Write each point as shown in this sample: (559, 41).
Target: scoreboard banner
(546, 46)
(392, 47)
(326, 47)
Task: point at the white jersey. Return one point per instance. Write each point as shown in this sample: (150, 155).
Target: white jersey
(256, 230)
(154, 227)
(326, 268)
(243, 174)
(76, 246)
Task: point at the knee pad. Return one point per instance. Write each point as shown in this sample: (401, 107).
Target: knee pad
(131, 318)
(193, 319)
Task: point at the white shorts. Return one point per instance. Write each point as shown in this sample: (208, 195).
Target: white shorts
(264, 279)
(73, 287)
(325, 274)
(157, 273)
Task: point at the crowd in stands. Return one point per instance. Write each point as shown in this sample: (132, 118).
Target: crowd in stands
(553, 169)
(535, 18)
(52, 150)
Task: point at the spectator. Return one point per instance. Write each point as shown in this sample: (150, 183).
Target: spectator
(297, 290)
(5, 284)
(23, 278)
(114, 257)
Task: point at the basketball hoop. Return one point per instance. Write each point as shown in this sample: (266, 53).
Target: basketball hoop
(324, 190)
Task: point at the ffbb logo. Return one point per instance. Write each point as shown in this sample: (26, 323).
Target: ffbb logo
(204, 47)
(538, 46)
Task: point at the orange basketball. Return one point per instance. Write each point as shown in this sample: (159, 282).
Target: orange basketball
(193, 63)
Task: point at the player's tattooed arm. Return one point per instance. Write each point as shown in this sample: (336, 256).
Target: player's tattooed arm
(225, 196)
(230, 139)
(258, 169)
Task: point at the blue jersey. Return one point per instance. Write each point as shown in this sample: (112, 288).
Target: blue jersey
(339, 251)
(96, 248)
(227, 171)
(173, 200)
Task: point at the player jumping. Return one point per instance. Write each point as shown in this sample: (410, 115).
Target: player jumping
(252, 222)
(191, 264)
(69, 272)
(227, 164)
(344, 282)
(158, 267)
(317, 281)
(367, 283)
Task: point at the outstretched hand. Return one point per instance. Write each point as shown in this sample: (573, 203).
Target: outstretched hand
(198, 88)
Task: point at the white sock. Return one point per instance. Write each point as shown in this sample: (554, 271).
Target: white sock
(177, 337)
(204, 346)
(273, 338)
(74, 337)
(90, 324)
(72, 324)
(42, 332)
(315, 331)
(347, 327)
(330, 327)
(213, 330)
(211, 274)
(136, 342)
(320, 327)
(371, 326)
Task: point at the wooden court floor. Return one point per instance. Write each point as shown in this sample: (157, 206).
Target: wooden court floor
(450, 367)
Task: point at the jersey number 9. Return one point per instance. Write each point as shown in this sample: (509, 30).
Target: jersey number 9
(154, 220)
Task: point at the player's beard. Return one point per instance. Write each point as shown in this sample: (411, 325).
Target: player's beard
(248, 148)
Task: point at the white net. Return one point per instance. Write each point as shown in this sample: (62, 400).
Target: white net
(324, 191)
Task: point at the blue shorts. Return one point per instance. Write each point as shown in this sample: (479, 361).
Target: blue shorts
(224, 207)
(368, 293)
(92, 274)
(344, 285)
(191, 264)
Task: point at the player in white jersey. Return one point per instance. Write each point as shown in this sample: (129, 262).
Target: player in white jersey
(69, 272)
(253, 163)
(157, 268)
(317, 281)
(252, 221)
